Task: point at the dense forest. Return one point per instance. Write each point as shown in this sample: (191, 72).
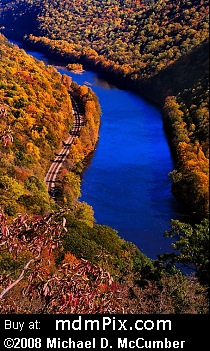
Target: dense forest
(36, 115)
(158, 48)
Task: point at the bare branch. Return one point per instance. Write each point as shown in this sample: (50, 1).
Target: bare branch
(9, 287)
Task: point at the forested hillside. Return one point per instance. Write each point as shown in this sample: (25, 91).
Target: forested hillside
(36, 115)
(53, 257)
(159, 48)
(34, 120)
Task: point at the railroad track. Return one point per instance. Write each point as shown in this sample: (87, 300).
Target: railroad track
(50, 178)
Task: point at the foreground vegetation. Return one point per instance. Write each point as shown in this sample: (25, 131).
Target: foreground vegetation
(40, 275)
(157, 48)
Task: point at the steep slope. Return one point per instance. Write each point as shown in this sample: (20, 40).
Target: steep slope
(158, 48)
(144, 36)
(36, 115)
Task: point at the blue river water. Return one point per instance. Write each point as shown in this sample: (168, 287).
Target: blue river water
(127, 181)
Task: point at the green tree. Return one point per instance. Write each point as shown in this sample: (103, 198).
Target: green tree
(85, 213)
(191, 246)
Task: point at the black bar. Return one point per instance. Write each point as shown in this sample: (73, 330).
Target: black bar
(99, 332)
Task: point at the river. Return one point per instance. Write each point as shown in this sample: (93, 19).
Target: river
(127, 181)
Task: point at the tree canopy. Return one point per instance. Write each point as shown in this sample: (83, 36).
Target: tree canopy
(159, 48)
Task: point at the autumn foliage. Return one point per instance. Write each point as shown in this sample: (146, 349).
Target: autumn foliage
(56, 261)
(35, 116)
(157, 48)
(32, 282)
(74, 286)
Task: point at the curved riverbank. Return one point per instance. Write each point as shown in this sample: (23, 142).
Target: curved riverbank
(127, 179)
